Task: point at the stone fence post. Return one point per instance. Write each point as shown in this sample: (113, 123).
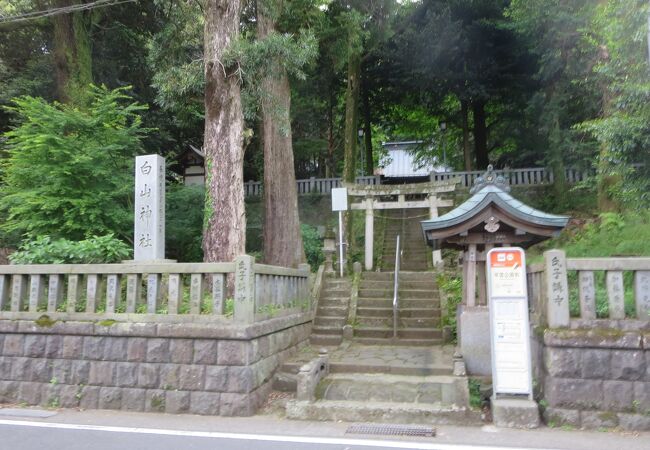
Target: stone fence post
(556, 289)
(244, 289)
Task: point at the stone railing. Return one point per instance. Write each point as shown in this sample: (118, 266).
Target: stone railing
(592, 340)
(563, 290)
(193, 292)
(311, 185)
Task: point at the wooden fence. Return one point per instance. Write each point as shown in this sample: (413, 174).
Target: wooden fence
(516, 177)
(153, 292)
(310, 186)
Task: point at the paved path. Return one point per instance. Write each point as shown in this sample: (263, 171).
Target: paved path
(108, 430)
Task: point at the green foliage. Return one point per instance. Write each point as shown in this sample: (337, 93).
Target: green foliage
(451, 287)
(313, 245)
(183, 222)
(69, 172)
(609, 234)
(95, 250)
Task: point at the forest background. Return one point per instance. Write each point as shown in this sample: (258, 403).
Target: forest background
(307, 88)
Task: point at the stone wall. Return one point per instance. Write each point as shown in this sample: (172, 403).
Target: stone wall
(163, 367)
(598, 376)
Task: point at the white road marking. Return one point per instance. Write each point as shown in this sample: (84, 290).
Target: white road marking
(256, 437)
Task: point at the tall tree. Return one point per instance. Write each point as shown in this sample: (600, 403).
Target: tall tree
(72, 53)
(224, 234)
(282, 237)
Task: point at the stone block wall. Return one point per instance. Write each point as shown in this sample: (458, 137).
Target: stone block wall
(164, 367)
(597, 377)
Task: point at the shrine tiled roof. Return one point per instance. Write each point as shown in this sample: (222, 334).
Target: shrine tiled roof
(493, 190)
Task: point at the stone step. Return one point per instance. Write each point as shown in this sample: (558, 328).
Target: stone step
(323, 330)
(382, 412)
(403, 322)
(325, 321)
(337, 284)
(403, 293)
(376, 387)
(325, 339)
(285, 382)
(338, 292)
(331, 311)
(424, 313)
(403, 333)
(403, 276)
(374, 302)
(399, 341)
(334, 301)
(403, 285)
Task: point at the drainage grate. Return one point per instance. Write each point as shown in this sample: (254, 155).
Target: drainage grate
(391, 430)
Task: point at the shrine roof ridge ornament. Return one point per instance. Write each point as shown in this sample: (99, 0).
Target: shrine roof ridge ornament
(490, 178)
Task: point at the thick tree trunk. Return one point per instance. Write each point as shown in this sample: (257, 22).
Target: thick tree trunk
(224, 234)
(480, 135)
(282, 237)
(351, 123)
(72, 56)
(467, 150)
(367, 130)
(351, 117)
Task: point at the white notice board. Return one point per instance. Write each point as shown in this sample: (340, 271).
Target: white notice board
(509, 329)
(339, 199)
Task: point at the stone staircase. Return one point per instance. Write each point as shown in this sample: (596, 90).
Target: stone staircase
(415, 253)
(388, 389)
(418, 312)
(332, 312)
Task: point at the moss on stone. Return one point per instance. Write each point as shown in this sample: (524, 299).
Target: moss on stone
(45, 321)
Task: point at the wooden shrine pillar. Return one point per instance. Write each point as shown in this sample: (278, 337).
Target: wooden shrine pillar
(469, 276)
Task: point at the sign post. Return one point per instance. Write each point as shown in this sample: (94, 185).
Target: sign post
(508, 300)
(340, 204)
(149, 233)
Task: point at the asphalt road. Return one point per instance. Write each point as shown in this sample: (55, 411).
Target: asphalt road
(26, 435)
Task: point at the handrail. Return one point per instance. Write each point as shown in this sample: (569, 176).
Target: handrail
(396, 287)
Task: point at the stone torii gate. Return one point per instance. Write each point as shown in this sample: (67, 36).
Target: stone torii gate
(380, 197)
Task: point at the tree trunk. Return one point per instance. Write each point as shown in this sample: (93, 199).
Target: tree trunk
(351, 117)
(72, 56)
(608, 178)
(556, 155)
(367, 130)
(467, 151)
(224, 234)
(351, 123)
(480, 135)
(282, 237)
(329, 164)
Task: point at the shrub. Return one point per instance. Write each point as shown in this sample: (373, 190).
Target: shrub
(96, 250)
(313, 245)
(69, 171)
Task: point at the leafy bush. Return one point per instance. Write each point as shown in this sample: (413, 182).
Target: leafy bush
(313, 245)
(184, 222)
(98, 249)
(69, 171)
(451, 286)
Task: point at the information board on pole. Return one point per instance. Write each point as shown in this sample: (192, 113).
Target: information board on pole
(340, 204)
(509, 329)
